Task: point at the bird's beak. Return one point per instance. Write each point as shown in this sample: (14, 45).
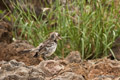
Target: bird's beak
(59, 38)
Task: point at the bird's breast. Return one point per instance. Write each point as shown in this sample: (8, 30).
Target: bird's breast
(51, 49)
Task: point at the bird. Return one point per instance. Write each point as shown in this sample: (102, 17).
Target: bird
(46, 48)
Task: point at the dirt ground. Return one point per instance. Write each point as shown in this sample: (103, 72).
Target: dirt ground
(9, 49)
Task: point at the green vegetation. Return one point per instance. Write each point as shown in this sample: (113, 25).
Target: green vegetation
(89, 27)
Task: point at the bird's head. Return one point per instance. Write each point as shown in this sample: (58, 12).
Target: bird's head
(55, 36)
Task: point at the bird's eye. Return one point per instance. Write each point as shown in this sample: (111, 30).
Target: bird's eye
(58, 34)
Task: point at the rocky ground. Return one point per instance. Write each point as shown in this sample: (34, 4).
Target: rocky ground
(18, 66)
(67, 69)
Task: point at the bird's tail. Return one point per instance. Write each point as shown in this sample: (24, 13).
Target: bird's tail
(25, 51)
(29, 50)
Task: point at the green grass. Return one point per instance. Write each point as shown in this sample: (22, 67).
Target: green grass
(90, 28)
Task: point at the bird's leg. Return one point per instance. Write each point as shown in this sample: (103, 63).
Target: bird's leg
(36, 54)
(44, 57)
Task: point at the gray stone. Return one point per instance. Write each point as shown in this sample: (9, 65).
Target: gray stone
(69, 76)
(73, 57)
(50, 67)
(14, 70)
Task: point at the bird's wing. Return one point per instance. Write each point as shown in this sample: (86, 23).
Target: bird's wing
(46, 47)
(25, 51)
(32, 49)
(41, 45)
(43, 48)
(39, 49)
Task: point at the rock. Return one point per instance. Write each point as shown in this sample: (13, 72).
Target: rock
(73, 56)
(105, 78)
(36, 79)
(5, 32)
(11, 77)
(12, 51)
(100, 69)
(104, 69)
(15, 63)
(116, 48)
(36, 74)
(11, 65)
(7, 67)
(75, 68)
(118, 78)
(3, 62)
(69, 76)
(50, 67)
(22, 71)
(14, 70)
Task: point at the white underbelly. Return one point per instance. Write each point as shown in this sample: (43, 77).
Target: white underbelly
(52, 49)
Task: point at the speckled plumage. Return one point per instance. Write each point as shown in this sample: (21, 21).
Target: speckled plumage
(46, 48)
